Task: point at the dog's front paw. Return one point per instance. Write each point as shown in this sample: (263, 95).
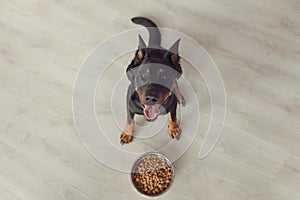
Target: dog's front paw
(125, 138)
(174, 131)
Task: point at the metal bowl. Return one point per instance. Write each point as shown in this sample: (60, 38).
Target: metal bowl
(137, 163)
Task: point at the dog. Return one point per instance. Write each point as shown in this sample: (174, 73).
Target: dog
(153, 73)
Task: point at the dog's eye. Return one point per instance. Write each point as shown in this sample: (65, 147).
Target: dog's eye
(163, 75)
(144, 76)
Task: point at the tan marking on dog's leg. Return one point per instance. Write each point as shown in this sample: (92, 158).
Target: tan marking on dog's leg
(173, 127)
(127, 135)
(129, 127)
(180, 97)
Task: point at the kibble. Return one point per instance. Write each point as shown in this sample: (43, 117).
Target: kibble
(153, 175)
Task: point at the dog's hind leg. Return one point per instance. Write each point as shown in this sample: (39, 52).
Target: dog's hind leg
(179, 96)
(127, 135)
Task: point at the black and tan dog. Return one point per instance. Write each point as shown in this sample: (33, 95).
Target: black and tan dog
(153, 90)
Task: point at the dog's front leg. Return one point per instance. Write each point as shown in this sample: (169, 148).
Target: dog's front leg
(127, 134)
(179, 96)
(174, 130)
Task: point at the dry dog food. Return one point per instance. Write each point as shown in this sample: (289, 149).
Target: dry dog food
(152, 175)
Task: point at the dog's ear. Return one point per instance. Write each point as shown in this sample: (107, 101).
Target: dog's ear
(142, 43)
(174, 48)
(175, 59)
(129, 73)
(139, 55)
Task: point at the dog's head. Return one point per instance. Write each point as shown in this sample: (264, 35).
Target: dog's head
(153, 72)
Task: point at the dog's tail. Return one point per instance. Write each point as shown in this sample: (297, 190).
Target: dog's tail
(154, 33)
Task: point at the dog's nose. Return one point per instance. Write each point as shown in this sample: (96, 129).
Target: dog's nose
(150, 99)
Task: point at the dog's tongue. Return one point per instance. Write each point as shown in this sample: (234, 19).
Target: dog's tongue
(151, 111)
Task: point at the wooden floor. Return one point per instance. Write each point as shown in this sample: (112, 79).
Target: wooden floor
(256, 45)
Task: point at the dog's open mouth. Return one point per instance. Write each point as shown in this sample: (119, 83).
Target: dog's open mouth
(151, 111)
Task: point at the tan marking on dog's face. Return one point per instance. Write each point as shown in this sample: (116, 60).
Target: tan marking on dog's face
(141, 93)
(163, 96)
